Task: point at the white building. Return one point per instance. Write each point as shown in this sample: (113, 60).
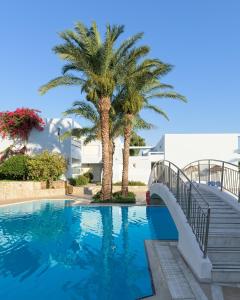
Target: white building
(183, 149)
(180, 149)
(80, 158)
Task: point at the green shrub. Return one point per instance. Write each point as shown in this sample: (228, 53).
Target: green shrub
(131, 183)
(116, 198)
(79, 181)
(46, 166)
(15, 168)
(131, 197)
(89, 176)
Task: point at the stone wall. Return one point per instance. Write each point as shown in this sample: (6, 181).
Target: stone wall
(12, 190)
(93, 189)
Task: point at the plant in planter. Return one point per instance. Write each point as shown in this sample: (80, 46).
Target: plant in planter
(17, 125)
(117, 197)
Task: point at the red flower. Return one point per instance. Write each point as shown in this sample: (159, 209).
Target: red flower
(19, 123)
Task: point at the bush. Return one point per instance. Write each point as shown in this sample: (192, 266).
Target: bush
(15, 168)
(131, 197)
(131, 183)
(46, 166)
(79, 181)
(89, 176)
(116, 198)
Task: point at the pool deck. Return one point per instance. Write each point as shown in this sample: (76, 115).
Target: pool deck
(173, 280)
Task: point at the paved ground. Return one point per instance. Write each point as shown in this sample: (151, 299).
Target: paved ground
(173, 280)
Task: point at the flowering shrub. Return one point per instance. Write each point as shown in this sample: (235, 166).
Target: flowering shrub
(19, 123)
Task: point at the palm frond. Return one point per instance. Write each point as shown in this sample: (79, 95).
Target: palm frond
(84, 109)
(140, 123)
(156, 109)
(61, 81)
(171, 95)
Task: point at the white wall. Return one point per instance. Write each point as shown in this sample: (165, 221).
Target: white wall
(140, 167)
(92, 152)
(183, 149)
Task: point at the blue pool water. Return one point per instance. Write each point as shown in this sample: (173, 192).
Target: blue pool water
(54, 250)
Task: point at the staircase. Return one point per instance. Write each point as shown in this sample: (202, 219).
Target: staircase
(214, 222)
(224, 239)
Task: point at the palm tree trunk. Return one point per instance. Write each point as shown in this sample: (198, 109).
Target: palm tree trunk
(104, 107)
(111, 153)
(127, 138)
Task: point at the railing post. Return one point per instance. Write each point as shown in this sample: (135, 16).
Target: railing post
(209, 171)
(222, 176)
(199, 171)
(239, 183)
(178, 174)
(169, 167)
(206, 234)
(189, 201)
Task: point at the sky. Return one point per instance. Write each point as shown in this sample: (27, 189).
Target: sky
(200, 38)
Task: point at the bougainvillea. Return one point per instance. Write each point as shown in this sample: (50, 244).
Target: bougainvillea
(19, 123)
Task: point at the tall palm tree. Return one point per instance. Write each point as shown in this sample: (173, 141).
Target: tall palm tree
(135, 96)
(99, 67)
(93, 132)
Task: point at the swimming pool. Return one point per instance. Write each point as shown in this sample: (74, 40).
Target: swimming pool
(55, 250)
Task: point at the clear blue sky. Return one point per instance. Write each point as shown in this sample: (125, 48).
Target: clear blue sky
(200, 38)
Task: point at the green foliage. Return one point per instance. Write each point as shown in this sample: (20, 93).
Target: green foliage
(15, 168)
(131, 183)
(79, 181)
(46, 166)
(89, 176)
(136, 140)
(116, 198)
(100, 64)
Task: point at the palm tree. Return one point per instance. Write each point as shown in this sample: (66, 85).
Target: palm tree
(142, 85)
(100, 67)
(93, 132)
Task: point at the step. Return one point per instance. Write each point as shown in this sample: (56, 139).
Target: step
(224, 220)
(229, 214)
(226, 275)
(222, 255)
(223, 240)
(224, 226)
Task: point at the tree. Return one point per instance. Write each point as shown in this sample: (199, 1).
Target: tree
(141, 86)
(101, 66)
(136, 141)
(93, 132)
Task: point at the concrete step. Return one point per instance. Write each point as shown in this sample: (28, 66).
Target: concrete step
(220, 219)
(224, 220)
(224, 226)
(226, 274)
(220, 239)
(224, 255)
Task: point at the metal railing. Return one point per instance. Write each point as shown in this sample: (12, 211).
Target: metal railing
(221, 174)
(191, 201)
